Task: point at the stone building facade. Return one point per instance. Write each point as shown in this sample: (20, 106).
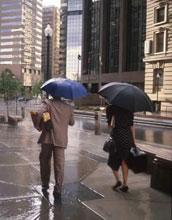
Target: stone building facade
(158, 54)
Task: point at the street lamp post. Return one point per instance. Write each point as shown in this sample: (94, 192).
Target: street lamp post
(78, 76)
(48, 34)
(157, 92)
(100, 72)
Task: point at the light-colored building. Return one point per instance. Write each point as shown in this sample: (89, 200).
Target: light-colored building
(20, 39)
(51, 15)
(158, 54)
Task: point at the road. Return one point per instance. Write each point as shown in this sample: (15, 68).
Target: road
(150, 134)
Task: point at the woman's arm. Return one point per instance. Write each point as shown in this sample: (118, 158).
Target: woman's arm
(133, 134)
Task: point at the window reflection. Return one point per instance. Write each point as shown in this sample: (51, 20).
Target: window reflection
(93, 37)
(74, 38)
(74, 5)
(11, 10)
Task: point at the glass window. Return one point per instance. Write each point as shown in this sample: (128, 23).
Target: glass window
(10, 43)
(74, 41)
(5, 30)
(10, 10)
(160, 14)
(113, 36)
(160, 41)
(6, 50)
(93, 25)
(6, 62)
(11, 4)
(11, 23)
(10, 17)
(74, 5)
(6, 56)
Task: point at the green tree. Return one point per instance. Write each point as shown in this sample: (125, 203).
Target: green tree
(36, 88)
(9, 86)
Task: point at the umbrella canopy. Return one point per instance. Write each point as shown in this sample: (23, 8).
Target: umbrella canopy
(66, 88)
(126, 96)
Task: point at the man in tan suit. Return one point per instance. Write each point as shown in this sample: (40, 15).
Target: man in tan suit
(54, 142)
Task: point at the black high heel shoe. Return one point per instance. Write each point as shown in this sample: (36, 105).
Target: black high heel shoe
(118, 184)
(124, 188)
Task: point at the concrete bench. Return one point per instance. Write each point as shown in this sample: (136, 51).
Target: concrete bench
(159, 165)
(2, 118)
(14, 119)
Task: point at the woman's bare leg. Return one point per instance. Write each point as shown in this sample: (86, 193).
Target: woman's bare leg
(124, 172)
(116, 175)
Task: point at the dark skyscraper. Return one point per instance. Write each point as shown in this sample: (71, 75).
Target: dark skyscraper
(113, 42)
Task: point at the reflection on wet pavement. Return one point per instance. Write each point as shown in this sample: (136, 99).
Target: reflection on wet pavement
(154, 135)
(20, 190)
(20, 208)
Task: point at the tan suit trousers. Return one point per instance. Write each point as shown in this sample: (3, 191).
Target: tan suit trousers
(45, 165)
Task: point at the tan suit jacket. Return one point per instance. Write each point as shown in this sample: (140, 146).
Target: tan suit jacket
(61, 115)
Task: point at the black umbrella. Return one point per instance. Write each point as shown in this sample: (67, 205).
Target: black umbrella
(126, 96)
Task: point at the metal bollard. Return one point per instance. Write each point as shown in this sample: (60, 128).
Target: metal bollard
(23, 111)
(98, 116)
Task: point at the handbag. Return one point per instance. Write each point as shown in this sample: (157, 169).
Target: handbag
(47, 121)
(137, 160)
(110, 145)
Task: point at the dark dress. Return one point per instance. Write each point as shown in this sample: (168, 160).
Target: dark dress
(121, 134)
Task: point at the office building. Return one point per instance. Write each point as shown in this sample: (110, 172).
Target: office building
(63, 38)
(114, 32)
(71, 38)
(21, 38)
(158, 54)
(51, 15)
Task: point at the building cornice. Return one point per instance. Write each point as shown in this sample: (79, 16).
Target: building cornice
(154, 58)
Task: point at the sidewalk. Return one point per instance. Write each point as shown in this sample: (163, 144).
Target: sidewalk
(141, 202)
(87, 183)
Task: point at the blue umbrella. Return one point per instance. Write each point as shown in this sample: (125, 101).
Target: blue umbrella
(66, 88)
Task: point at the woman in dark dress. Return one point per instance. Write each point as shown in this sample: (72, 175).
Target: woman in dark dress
(124, 135)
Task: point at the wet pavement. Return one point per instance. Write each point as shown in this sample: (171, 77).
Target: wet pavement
(150, 134)
(87, 192)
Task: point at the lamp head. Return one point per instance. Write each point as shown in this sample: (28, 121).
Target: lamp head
(48, 31)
